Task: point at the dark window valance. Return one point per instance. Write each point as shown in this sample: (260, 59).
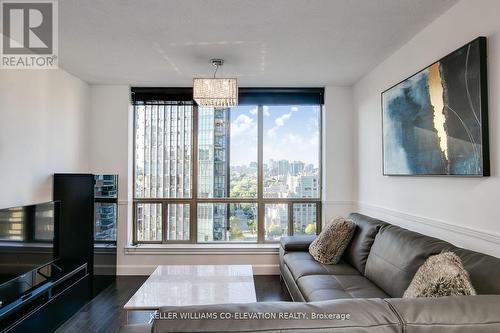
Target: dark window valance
(144, 95)
(247, 96)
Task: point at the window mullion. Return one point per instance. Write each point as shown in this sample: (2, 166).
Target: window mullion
(260, 175)
(134, 223)
(319, 218)
(164, 209)
(193, 218)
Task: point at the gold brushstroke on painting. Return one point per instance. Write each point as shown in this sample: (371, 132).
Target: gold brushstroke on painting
(437, 101)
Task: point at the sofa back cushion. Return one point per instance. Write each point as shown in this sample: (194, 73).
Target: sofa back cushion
(484, 270)
(397, 254)
(451, 314)
(358, 249)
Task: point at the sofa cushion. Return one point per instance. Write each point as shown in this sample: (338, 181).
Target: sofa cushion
(328, 287)
(396, 255)
(291, 285)
(331, 243)
(358, 249)
(484, 271)
(302, 264)
(441, 275)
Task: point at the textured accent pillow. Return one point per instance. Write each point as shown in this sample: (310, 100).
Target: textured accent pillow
(440, 275)
(329, 246)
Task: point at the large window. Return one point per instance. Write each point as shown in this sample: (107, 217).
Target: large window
(246, 174)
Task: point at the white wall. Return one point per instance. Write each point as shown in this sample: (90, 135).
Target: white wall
(338, 152)
(109, 116)
(109, 145)
(110, 149)
(43, 128)
(462, 210)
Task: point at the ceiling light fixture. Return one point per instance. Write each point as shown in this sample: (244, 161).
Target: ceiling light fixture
(216, 92)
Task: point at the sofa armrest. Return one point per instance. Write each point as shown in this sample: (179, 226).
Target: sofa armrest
(449, 314)
(359, 315)
(296, 243)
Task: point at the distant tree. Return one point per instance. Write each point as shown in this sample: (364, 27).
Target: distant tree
(275, 230)
(252, 225)
(310, 229)
(243, 185)
(235, 230)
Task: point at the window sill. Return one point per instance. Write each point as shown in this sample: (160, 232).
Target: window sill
(203, 249)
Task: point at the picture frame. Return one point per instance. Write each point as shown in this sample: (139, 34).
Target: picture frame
(435, 122)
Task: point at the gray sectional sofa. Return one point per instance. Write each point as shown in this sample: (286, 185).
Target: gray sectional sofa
(367, 284)
(379, 262)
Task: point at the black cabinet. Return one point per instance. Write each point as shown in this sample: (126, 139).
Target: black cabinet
(87, 232)
(75, 236)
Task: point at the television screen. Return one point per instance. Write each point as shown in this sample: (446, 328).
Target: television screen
(27, 236)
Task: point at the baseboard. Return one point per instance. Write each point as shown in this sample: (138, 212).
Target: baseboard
(148, 269)
(470, 238)
(202, 249)
(266, 269)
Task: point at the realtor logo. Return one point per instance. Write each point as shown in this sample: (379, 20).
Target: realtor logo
(29, 34)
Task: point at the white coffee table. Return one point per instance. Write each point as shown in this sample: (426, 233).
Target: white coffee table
(179, 285)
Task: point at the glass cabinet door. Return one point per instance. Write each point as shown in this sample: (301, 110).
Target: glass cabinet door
(106, 186)
(105, 221)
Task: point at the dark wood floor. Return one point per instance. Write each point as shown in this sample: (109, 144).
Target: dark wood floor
(104, 314)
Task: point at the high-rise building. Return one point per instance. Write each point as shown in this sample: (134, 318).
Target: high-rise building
(273, 168)
(304, 186)
(283, 168)
(304, 215)
(163, 167)
(213, 172)
(309, 168)
(296, 167)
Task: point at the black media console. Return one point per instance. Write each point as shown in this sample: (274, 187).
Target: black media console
(79, 263)
(43, 308)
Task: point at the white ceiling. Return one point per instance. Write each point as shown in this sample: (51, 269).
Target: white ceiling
(264, 42)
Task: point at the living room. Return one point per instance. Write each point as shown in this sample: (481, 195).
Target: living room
(241, 166)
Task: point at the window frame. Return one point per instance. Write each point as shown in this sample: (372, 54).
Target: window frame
(194, 200)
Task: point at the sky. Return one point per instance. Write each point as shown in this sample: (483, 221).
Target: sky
(290, 132)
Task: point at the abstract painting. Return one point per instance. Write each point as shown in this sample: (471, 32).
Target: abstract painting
(435, 122)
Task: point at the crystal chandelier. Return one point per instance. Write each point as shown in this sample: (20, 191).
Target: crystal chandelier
(216, 92)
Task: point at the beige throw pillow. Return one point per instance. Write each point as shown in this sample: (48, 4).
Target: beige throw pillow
(440, 275)
(329, 246)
